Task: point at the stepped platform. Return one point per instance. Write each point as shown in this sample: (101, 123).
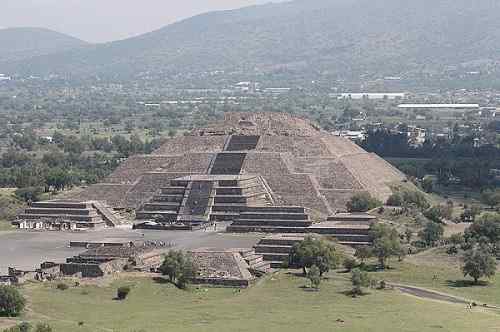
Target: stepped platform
(271, 219)
(68, 215)
(276, 248)
(345, 232)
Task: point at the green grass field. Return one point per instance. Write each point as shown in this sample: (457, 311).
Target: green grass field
(444, 277)
(279, 303)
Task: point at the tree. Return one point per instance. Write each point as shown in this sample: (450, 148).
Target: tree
(491, 197)
(486, 230)
(29, 194)
(363, 253)
(438, 212)
(386, 243)
(478, 263)
(431, 233)
(314, 275)
(359, 279)
(312, 251)
(179, 268)
(362, 202)
(396, 199)
(349, 263)
(428, 184)
(11, 301)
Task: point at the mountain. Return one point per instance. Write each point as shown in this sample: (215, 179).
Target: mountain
(347, 37)
(24, 43)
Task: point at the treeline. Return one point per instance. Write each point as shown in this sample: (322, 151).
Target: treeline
(452, 161)
(41, 165)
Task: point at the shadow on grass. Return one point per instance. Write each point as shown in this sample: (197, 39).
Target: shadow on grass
(466, 283)
(352, 294)
(309, 289)
(161, 280)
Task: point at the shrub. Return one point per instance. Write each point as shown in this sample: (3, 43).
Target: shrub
(314, 276)
(11, 301)
(359, 280)
(62, 286)
(122, 292)
(349, 263)
(395, 199)
(362, 202)
(478, 263)
(431, 233)
(43, 327)
(311, 252)
(179, 268)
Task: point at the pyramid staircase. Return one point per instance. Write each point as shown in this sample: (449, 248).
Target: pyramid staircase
(352, 229)
(242, 143)
(232, 196)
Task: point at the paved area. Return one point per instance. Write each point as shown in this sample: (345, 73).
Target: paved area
(27, 249)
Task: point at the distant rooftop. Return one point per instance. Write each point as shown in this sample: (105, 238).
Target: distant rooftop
(458, 106)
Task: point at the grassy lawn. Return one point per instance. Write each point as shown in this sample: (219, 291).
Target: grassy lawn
(277, 304)
(449, 279)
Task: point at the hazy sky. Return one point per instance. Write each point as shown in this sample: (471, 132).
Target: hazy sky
(105, 20)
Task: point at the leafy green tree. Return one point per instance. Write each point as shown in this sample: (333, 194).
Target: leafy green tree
(428, 184)
(11, 301)
(29, 194)
(486, 230)
(491, 197)
(314, 276)
(349, 263)
(363, 253)
(362, 202)
(396, 199)
(359, 279)
(431, 233)
(438, 212)
(313, 251)
(179, 268)
(478, 263)
(386, 243)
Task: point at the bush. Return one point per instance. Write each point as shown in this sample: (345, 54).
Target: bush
(11, 301)
(311, 252)
(395, 199)
(62, 286)
(314, 276)
(362, 202)
(122, 292)
(349, 263)
(431, 233)
(43, 327)
(179, 268)
(359, 280)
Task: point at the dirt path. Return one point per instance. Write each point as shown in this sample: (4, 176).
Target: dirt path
(428, 294)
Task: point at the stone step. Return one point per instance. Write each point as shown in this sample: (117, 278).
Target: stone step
(262, 266)
(254, 259)
(87, 219)
(61, 205)
(341, 230)
(274, 215)
(276, 209)
(281, 241)
(80, 212)
(276, 257)
(247, 252)
(148, 215)
(168, 198)
(281, 249)
(173, 190)
(273, 222)
(238, 190)
(224, 216)
(179, 183)
(233, 207)
(264, 229)
(165, 206)
(275, 264)
(353, 238)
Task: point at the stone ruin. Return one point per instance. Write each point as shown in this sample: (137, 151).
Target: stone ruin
(66, 215)
(265, 172)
